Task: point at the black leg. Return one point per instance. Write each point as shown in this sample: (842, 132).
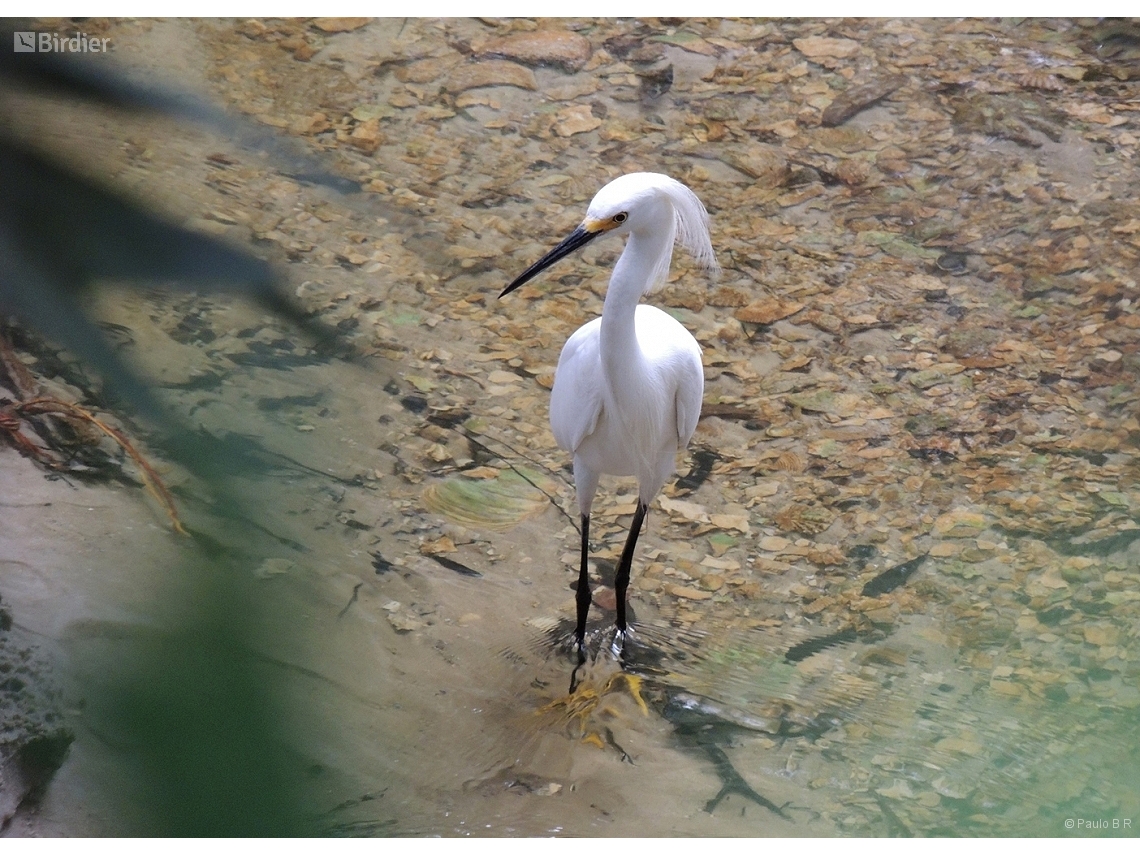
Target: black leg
(621, 581)
(583, 593)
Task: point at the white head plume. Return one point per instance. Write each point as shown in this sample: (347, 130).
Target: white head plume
(688, 226)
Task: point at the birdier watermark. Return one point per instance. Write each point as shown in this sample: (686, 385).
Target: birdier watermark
(1098, 824)
(33, 42)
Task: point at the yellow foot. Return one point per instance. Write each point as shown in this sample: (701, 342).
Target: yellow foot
(591, 701)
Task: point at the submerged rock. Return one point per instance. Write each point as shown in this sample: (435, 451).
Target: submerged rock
(33, 736)
(496, 503)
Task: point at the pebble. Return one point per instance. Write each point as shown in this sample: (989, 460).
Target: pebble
(767, 311)
(960, 523)
(562, 48)
(494, 72)
(688, 593)
(271, 567)
(339, 25)
(576, 120)
(815, 47)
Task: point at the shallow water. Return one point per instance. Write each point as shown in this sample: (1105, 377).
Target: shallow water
(923, 343)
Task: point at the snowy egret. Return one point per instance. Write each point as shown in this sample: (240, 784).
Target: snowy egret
(627, 390)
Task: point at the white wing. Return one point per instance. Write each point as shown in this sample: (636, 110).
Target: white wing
(674, 358)
(576, 399)
(690, 390)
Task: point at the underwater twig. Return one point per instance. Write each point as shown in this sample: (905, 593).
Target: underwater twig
(355, 592)
(151, 479)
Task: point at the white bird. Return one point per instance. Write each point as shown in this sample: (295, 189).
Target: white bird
(627, 391)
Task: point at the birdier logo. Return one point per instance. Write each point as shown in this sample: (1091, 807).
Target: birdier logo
(32, 42)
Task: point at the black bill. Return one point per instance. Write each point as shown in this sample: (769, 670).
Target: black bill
(576, 239)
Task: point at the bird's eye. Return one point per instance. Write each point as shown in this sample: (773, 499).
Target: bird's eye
(620, 218)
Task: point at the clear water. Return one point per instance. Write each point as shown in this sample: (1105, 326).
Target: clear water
(994, 693)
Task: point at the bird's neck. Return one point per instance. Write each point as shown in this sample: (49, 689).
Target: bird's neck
(621, 355)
